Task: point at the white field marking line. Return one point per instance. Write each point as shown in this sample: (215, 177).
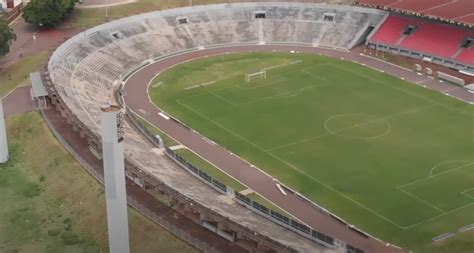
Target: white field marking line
(238, 86)
(380, 60)
(156, 85)
(387, 124)
(287, 94)
(451, 89)
(200, 85)
(313, 75)
(436, 217)
(265, 83)
(280, 74)
(281, 65)
(422, 200)
(415, 110)
(222, 99)
(447, 162)
(294, 167)
(186, 77)
(399, 89)
(467, 195)
(435, 175)
(423, 81)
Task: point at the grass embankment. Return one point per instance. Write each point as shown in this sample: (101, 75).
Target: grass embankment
(51, 204)
(19, 72)
(386, 155)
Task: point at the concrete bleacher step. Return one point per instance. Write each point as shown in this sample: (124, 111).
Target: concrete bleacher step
(400, 41)
(460, 50)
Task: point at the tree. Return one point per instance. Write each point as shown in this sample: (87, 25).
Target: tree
(6, 37)
(47, 13)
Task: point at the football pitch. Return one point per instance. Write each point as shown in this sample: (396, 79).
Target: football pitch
(393, 158)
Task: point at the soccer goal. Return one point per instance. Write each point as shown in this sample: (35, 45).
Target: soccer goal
(256, 75)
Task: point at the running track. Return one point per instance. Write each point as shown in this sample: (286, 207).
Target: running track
(137, 99)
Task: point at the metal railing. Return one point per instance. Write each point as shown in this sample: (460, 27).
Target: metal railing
(170, 227)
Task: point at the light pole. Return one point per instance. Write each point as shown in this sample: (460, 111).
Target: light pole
(114, 179)
(3, 136)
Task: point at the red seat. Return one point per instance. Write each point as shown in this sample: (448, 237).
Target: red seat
(429, 38)
(391, 30)
(466, 56)
(435, 39)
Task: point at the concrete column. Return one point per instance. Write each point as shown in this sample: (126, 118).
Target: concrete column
(3, 136)
(114, 177)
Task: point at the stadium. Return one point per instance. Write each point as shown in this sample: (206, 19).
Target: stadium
(286, 126)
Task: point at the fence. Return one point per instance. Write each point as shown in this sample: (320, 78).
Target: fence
(203, 176)
(254, 206)
(178, 232)
(14, 13)
(148, 135)
(285, 221)
(63, 142)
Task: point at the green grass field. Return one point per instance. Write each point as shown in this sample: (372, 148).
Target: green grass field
(50, 204)
(390, 157)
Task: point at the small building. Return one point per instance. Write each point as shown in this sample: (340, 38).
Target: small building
(38, 91)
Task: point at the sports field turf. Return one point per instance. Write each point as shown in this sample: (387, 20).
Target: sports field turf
(392, 158)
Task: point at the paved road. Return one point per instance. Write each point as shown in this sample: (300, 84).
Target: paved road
(19, 101)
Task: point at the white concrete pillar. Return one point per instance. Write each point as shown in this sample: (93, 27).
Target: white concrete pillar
(114, 177)
(3, 136)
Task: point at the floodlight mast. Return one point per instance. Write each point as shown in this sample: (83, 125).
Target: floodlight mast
(3, 136)
(114, 179)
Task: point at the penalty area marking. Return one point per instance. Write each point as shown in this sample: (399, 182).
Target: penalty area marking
(201, 85)
(281, 65)
(444, 213)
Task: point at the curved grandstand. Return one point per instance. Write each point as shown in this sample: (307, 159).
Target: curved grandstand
(87, 70)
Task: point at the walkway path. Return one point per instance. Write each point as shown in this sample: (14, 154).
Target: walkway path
(19, 101)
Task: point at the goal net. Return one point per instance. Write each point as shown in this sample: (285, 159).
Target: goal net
(256, 75)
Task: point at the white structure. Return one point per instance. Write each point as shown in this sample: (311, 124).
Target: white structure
(87, 69)
(114, 177)
(3, 136)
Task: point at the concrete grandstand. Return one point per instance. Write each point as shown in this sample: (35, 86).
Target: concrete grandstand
(85, 73)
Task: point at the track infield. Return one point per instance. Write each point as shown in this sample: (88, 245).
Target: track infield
(391, 157)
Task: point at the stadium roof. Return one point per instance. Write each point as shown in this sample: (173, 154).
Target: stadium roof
(458, 11)
(37, 85)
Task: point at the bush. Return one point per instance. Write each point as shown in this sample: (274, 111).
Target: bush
(47, 13)
(6, 37)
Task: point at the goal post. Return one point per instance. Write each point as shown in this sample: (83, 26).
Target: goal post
(259, 74)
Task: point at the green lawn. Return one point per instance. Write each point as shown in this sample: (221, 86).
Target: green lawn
(386, 155)
(49, 203)
(210, 169)
(19, 72)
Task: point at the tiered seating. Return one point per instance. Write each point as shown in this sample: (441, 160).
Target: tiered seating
(85, 69)
(435, 39)
(391, 30)
(466, 56)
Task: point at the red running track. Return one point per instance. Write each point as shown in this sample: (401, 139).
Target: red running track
(137, 99)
